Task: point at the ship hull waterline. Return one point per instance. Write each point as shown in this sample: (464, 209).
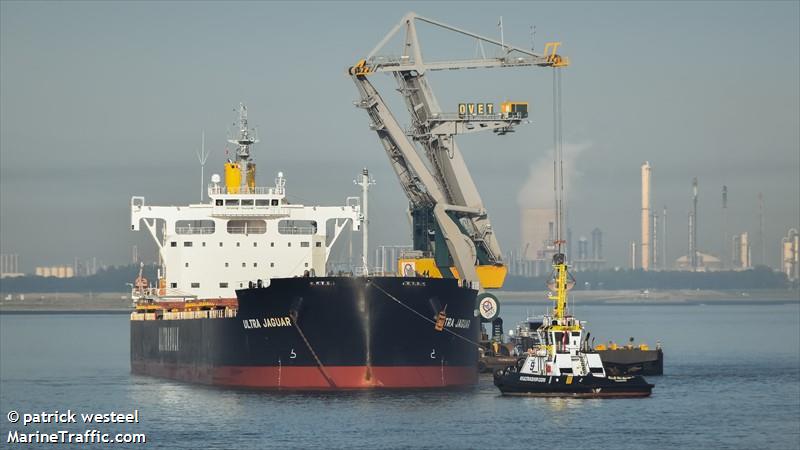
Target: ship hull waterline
(326, 333)
(516, 384)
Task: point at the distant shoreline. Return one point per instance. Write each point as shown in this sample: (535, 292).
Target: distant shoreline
(120, 302)
(661, 297)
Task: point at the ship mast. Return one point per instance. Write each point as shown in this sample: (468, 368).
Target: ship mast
(243, 141)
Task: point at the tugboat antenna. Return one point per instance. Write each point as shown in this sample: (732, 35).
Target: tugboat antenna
(202, 157)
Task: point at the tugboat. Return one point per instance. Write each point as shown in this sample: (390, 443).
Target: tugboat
(560, 363)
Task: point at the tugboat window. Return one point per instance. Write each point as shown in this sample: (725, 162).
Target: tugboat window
(262, 202)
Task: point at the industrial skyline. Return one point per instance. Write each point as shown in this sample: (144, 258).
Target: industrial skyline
(124, 116)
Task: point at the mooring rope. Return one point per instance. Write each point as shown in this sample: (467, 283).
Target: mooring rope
(422, 316)
(293, 315)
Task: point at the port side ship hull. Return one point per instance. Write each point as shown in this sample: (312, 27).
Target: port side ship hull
(322, 333)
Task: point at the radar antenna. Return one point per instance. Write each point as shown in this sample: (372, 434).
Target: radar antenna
(245, 139)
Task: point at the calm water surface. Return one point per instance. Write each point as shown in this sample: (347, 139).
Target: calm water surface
(732, 380)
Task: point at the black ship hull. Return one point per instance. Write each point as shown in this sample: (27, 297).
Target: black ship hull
(323, 333)
(627, 361)
(515, 383)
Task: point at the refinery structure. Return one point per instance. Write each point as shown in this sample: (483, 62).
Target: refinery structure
(790, 250)
(538, 238)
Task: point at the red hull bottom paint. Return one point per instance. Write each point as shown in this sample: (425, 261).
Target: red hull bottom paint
(311, 377)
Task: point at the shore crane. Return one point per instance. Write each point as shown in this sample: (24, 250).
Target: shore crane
(452, 233)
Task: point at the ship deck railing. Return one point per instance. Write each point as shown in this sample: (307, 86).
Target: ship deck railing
(194, 230)
(225, 313)
(249, 211)
(258, 190)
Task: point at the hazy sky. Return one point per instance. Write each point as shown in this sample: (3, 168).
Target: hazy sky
(103, 100)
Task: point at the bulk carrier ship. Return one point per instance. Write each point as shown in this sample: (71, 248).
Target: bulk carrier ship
(240, 300)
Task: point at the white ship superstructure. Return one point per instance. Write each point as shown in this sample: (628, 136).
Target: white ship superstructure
(243, 233)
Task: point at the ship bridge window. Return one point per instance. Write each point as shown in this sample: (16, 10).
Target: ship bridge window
(251, 226)
(194, 226)
(262, 202)
(297, 227)
(232, 202)
(218, 202)
(275, 202)
(247, 202)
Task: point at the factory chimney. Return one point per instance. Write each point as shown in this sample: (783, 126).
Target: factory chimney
(693, 227)
(664, 257)
(655, 241)
(761, 243)
(725, 256)
(645, 245)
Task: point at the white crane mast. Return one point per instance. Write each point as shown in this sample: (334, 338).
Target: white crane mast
(442, 184)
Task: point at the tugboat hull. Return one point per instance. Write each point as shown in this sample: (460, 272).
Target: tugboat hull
(521, 384)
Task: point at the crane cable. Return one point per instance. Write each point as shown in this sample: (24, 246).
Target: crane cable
(558, 162)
